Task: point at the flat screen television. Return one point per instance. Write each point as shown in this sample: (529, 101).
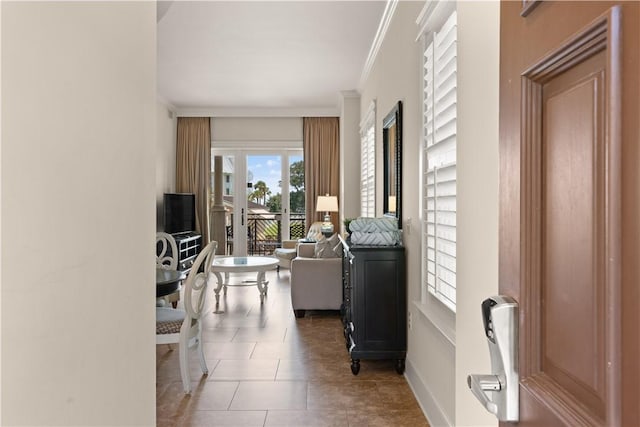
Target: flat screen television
(179, 212)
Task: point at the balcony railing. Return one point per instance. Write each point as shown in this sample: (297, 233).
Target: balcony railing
(264, 232)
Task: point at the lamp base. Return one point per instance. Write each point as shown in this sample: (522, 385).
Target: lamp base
(327, 226)
(326, 229)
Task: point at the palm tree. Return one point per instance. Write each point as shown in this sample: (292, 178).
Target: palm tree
(261, 191)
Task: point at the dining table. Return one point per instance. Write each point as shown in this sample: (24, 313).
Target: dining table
(168, 281)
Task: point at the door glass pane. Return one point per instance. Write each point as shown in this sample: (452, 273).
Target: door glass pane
(227, 195)
(264, 195)
(296, 197)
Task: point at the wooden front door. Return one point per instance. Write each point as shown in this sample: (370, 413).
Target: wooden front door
(570, 211)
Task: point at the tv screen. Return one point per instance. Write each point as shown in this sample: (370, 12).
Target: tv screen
(179, 212)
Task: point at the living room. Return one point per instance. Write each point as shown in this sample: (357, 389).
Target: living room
(435, 369)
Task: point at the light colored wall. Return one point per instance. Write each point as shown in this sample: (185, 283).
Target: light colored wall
(78, 185)
(165, 158)
(444, 347)
(395, 76)
(278, 129)
(477, 219)
(349, 156)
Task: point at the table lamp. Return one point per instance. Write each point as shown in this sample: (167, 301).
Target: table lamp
(327, 204)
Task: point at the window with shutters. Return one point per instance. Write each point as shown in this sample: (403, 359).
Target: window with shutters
(439, 163)
(368, 163)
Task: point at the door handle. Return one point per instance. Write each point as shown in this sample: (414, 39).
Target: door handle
(242, 216)
(500, 318)
(481, 383)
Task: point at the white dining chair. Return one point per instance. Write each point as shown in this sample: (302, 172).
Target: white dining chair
(167, 258)
(166, 251)
(185, 326)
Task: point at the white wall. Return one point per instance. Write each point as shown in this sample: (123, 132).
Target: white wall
(477, 219)
(256, 129)
(78, 196)
(394, 76)
(165, 158)
(444, 347)
(349, 156)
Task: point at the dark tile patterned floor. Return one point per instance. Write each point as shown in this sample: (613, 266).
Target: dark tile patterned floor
(267, 368)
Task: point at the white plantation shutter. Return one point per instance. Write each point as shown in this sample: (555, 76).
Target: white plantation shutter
(439, 163)
(368, 163)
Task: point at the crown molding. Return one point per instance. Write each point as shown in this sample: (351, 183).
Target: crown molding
(385, 21)
(258, 112)
(349, 94)
(161, 99)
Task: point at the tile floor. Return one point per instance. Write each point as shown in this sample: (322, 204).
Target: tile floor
(267, 368)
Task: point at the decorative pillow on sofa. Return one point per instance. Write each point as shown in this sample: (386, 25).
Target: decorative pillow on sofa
(328, 248)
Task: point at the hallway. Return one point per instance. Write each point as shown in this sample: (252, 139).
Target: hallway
(267, 368)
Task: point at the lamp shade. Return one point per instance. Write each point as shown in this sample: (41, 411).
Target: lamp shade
(392, 203)
(327, 204)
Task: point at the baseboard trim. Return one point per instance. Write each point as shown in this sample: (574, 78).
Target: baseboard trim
(429, 405)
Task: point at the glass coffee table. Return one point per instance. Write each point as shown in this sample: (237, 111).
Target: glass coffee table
(242, 264)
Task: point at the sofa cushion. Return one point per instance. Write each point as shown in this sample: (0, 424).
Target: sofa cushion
(328, 248)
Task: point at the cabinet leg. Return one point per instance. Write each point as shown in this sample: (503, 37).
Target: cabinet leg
(400, 366)
(355, 366)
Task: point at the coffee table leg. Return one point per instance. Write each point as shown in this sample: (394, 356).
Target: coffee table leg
(262, 286)
(226, 282)
(217, 289)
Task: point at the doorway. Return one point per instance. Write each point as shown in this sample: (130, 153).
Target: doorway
(263, 196)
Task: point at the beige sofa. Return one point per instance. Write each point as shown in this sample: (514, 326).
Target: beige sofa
(316, 283)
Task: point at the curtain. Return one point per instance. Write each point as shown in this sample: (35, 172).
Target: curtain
(321, 164)
(193, 167)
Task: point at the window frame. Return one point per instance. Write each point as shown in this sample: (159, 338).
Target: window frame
(435, 18)
(368, 162)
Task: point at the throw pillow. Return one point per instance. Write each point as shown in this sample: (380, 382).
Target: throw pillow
(326, 248)
(336, 246)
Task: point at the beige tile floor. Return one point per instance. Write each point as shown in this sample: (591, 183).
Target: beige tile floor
(267, 368)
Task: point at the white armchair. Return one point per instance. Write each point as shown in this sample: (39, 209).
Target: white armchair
(288, 249)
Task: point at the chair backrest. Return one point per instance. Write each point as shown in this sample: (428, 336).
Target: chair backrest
(315, 231)
(166, 251)
(195, 287)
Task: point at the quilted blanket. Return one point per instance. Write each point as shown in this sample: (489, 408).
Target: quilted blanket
(373, 225)
(379, 238)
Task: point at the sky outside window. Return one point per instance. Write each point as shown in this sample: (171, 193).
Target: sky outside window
(268, 169)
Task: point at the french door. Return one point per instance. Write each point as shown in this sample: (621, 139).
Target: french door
(259, 197)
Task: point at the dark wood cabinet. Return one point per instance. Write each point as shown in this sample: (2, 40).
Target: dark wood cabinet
(374, 310)
(189, 246)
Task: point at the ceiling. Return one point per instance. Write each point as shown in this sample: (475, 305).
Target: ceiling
(263, 55)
